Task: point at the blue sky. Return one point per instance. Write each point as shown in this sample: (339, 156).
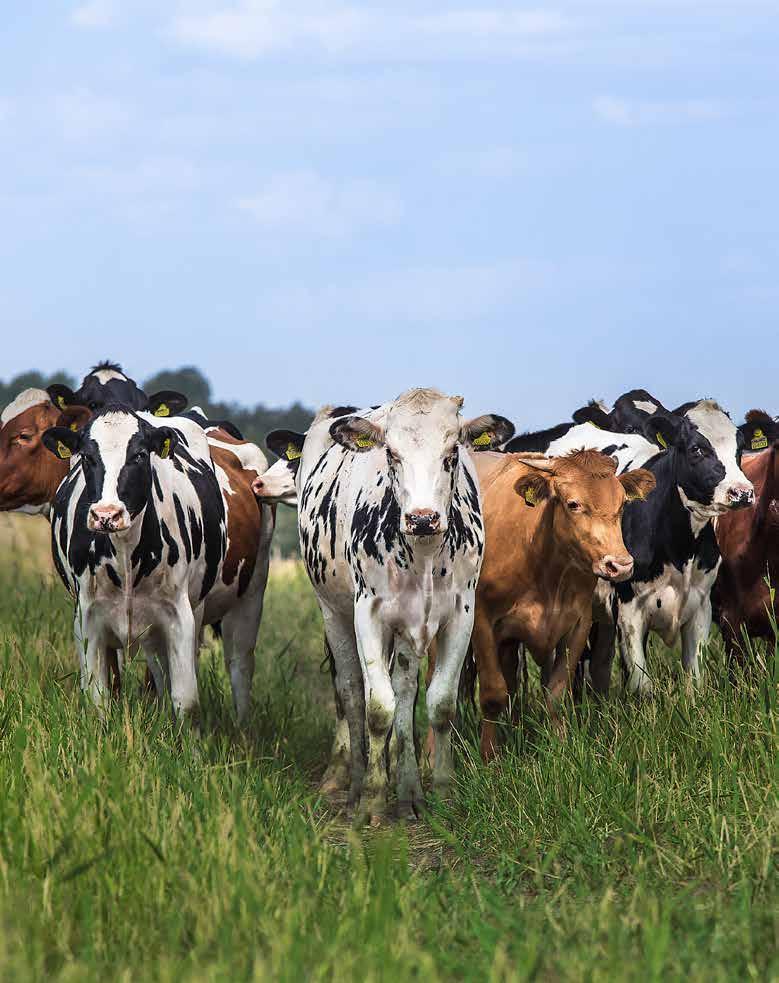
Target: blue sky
(526, 204)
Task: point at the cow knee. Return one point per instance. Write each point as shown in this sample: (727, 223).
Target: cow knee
(379, 714)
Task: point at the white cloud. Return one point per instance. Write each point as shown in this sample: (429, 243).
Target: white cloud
(491, 163)
(95, 13)
(306, 200)
(623, 112)
(150, 177)
(82, 114)
(252, 28)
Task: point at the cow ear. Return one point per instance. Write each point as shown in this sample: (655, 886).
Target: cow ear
(637, 484)
(355, 433)
(533, 488)
(287, 444)
(663, 429)
(593, 414)
(163, 441)
(74, 417)
(758, 434)
(167, 402)
(62, 396)
(485, 433)
(62, 441)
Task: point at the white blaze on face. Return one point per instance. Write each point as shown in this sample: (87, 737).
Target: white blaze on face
(422, 431)
(26, 399)
(721, 433)
(645, 405)
(112, 433)
(106, 375)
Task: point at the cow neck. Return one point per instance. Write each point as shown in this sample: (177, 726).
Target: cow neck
(762, 476)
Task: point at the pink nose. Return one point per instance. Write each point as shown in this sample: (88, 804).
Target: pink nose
(741, 496)
(615, 568)
(105, 517)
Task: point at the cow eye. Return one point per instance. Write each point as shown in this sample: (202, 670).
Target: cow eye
(24, 437)
(94, 406)
(697, 452)
(574, 506)
(140, 456)
(629, 429)
(392, 457)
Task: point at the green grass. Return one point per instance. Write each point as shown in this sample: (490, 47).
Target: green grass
(643, 847)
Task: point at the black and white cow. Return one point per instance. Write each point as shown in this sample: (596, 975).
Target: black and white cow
(391, 534)
(139, 538)
(630, 413)
(672, 541)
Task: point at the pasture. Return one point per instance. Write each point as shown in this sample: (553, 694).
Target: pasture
(642, 847)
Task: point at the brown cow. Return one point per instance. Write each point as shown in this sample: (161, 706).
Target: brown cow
(29, 474)
(749, 543)
(552, 526)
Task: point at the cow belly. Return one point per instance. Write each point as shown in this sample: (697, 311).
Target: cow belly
(669, 601)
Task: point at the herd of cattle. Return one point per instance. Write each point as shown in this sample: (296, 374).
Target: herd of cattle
(423, 534)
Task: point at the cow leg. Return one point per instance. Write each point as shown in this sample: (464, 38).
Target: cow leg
(493, 693)
(241, 625)
(631, 635)
(350, 689)
(93, 661)
(695, 634)
(405, 683)
(453, 641)
(336, 776)
(560, 668)
(509, 658)
(602, 656)
(373, 645)
(181, 639)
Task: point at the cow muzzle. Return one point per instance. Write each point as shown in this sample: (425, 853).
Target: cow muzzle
(614, 568)
(423, 522)
(107, 518)
(740, 496)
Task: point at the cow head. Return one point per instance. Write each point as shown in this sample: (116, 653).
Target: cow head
(106, 384)
(588, 499)
(707, 449)
(759, 432)
(421, 441)
(630, 413)
(115, 451)
(29, 476)
(277, 485)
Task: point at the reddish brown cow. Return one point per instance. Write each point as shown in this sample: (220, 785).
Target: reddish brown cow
(29, 474)
(552, 526)
(749, 543)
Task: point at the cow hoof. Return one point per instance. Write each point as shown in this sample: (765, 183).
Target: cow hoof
(371, 812)
(335, 779)
(410, 810)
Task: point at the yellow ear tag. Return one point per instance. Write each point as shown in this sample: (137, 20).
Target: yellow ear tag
(61, 402)
(594, 425)
(292, 453)
(483, 440)
(634, 497)
(63, 451)
(74, 427)
(165, 449)
(530, 496)
(661, 442)
(759, 440)
(162, 410)
(364, 442)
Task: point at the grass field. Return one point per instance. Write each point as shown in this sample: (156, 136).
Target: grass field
(641, 848)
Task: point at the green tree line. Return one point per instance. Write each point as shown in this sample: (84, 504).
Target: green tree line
(254, 422)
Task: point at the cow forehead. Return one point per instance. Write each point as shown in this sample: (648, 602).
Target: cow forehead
(593, 489)
(112, 433)
(715, 425)
(645, 405)
(435, 418)
(106, 375)
(25, 400)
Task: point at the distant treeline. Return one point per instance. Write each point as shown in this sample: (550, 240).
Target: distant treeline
(255, 423)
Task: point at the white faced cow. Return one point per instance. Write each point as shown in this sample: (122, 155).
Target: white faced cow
(392, 538)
